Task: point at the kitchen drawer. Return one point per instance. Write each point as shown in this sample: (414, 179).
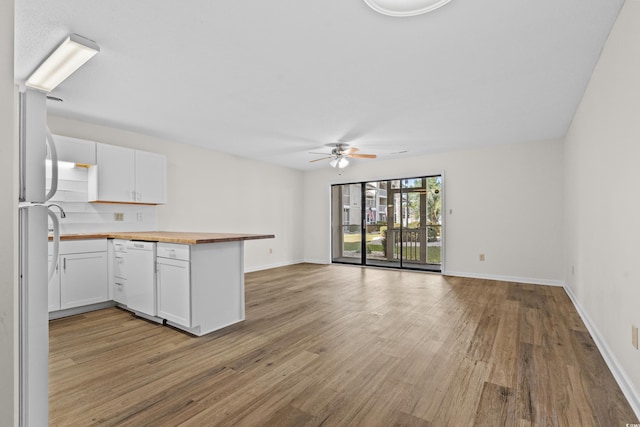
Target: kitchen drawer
(119, 270)
(120, 245)
(80, 246)
(173, 251)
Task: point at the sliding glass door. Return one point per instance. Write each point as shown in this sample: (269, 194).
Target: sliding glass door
(393, 223)
(346, 217)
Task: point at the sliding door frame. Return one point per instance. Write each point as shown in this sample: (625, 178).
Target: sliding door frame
(363, 225)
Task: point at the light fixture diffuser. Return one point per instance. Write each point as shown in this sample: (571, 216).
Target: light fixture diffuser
(64, 61)
(339, 162)
(405, 7)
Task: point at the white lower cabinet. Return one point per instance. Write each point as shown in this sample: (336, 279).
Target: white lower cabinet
(83, 279)
(201, 286)
(174, 284)
(198, 288)
(82, 275)
(118, 249)
(54, 287)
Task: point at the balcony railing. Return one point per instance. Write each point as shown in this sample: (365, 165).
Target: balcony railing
(413, 244)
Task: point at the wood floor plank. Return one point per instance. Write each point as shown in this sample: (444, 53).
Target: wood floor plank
(496, 407)
(451, 398)
(340, 345)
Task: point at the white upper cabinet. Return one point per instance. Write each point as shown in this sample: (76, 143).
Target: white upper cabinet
(150, 177)
(75, 150)
(127, 176)
(112, 179)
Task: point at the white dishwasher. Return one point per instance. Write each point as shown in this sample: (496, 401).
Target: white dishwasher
(139, 272)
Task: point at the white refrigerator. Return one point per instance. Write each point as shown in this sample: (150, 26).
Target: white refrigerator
(35, 142)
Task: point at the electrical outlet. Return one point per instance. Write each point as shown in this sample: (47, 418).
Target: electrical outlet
(118, 216)
(481, 257)
(634, 336)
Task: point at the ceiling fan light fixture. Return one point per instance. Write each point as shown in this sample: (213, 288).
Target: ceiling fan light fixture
(401, 8)
(72, 54)
(340, 162)
(339, 156)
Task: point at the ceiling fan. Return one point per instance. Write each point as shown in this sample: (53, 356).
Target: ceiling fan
(340, 152)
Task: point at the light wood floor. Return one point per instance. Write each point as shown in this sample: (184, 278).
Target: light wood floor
(339, 345)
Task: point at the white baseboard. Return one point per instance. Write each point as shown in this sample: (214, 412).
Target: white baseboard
(79, 310)
(616, 369)
(516, 279)
(317, 261)
(270, 266)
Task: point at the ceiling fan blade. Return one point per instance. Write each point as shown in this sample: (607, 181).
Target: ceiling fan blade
(363, 156)
(322, 158)
(350, 150)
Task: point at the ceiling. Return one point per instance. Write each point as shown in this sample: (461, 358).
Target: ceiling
(276, 80)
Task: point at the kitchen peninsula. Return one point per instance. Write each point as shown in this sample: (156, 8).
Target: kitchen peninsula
(197, 284)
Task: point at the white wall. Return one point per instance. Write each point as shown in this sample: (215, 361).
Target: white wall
(8, 225)
(602, 175)
(214, 192)
(506, 202)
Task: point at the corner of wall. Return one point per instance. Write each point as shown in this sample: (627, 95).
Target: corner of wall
(616, 368)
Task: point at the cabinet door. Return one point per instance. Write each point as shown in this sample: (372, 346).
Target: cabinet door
(83, 279)
(150, 177)
(174, 293)
(112, 179)
(54, 287)
(75, 150)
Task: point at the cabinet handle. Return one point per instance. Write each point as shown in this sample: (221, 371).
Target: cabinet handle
(133, 195)
(64, 263)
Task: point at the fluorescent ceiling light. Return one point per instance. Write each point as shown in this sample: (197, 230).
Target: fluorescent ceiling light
(405, 7)
(64, 61)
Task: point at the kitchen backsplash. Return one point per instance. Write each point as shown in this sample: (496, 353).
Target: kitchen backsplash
(85, 217)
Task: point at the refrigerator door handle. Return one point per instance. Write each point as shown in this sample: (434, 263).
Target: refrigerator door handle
(56, 243)
(54, 166)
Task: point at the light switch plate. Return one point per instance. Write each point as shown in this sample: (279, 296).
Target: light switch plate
(634, 336)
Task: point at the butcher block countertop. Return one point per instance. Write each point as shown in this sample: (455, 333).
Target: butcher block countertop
(187, 238)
